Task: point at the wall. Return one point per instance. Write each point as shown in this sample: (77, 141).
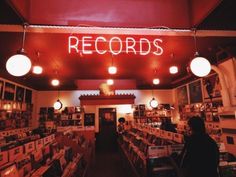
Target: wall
(228, 68)
(71, 98)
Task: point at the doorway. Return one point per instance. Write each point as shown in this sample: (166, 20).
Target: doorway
(107, 130)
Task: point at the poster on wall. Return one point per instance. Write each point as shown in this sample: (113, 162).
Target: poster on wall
(28, 96)
(20, 94)
(89, 119)
(195, 92)
(1, 88)
(211, 87)
(182, 95)
(9, 91)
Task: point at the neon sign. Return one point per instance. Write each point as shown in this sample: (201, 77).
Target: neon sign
(115, 45)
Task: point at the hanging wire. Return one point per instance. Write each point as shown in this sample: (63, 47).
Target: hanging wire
(23, 39)
(195, 42)
(37, 54)
(58, 94)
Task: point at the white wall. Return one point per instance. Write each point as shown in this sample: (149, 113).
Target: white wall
(71, 98)
(229, 70)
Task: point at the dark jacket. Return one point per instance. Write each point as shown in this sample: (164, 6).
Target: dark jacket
(200, 157)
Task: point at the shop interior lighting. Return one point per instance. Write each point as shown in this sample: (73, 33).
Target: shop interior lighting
(19, 64)
(199, 66)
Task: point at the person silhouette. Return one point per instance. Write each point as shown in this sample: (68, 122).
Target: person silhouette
(200, 155)
(121, 125)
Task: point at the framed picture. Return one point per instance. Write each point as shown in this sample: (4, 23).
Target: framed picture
(28, 96)
(1, 88)
(89, 119)
(182, 95)
(142, 107)
(9, 91)
(20, 93)
(195, 92)
(211, 87)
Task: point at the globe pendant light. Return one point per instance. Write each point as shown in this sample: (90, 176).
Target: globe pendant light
(37, 69)
(199, 66)
(112, 69)
(173, 69)
(58, 104)
(19, 64)
(55, 82)
(110, 81)
(153, 103)
(156, 81)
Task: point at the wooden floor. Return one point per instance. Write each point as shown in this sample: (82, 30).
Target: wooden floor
(108, 164)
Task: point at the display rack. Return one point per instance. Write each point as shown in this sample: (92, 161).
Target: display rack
(15, 106)
(148, 151)
(142, 114)
(45, 155)
(70, 116)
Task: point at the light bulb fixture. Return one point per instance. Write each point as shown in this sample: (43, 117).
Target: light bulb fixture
(58, 105)
(156, 81)
(55, 82)
(173, 69)
(19, 64)
(37, 69)
(112, 70)
(110, 82)
(199, 66)
(153, 103)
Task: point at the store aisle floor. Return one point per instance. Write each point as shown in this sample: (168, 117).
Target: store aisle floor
(108, 164)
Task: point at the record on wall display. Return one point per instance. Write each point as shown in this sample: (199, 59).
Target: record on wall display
(20, 94)
(89, 119)
(195, 92)
(182, 95)
(1, 88)
(28, 96)
(9, 91)
(211, 87)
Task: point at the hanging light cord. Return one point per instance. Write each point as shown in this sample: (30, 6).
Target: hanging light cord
(23, 40)
(195, 42)
(58, 94)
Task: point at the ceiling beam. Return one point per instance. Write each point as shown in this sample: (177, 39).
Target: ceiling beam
(118, 31)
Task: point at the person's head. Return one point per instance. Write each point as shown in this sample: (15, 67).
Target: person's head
(196, 125)
(121, 120)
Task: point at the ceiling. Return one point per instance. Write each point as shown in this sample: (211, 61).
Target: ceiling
(52, 22)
